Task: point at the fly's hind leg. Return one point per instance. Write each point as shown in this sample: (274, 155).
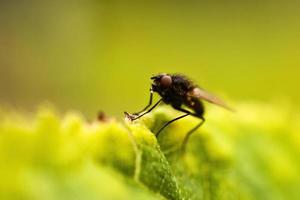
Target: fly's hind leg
(187, 136)
(169, 122)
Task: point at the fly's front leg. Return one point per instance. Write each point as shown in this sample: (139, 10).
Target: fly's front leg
(143, 112)
(149, 104)
(135, 117)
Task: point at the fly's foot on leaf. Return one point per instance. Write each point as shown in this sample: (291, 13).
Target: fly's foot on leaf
(131, 117)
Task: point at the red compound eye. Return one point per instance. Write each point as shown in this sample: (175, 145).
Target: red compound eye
(166, 81)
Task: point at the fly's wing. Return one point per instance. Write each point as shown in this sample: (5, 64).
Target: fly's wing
(202, 94)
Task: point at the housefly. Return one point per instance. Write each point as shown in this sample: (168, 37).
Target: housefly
(178, 91)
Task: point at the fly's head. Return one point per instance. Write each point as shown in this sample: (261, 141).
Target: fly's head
(161, 82)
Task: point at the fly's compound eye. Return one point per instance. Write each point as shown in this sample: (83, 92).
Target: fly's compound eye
(166, 81)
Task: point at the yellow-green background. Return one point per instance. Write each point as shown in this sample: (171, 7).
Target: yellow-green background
(98, 55)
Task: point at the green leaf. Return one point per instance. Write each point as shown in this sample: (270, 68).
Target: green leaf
(251, 154)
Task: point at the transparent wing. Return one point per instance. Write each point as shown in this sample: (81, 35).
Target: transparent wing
(202, 94)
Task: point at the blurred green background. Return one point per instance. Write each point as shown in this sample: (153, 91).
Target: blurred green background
(98, 55)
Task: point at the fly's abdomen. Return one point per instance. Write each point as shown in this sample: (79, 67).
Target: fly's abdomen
(196, 105)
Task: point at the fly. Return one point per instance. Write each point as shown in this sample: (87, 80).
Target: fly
(177, 90)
